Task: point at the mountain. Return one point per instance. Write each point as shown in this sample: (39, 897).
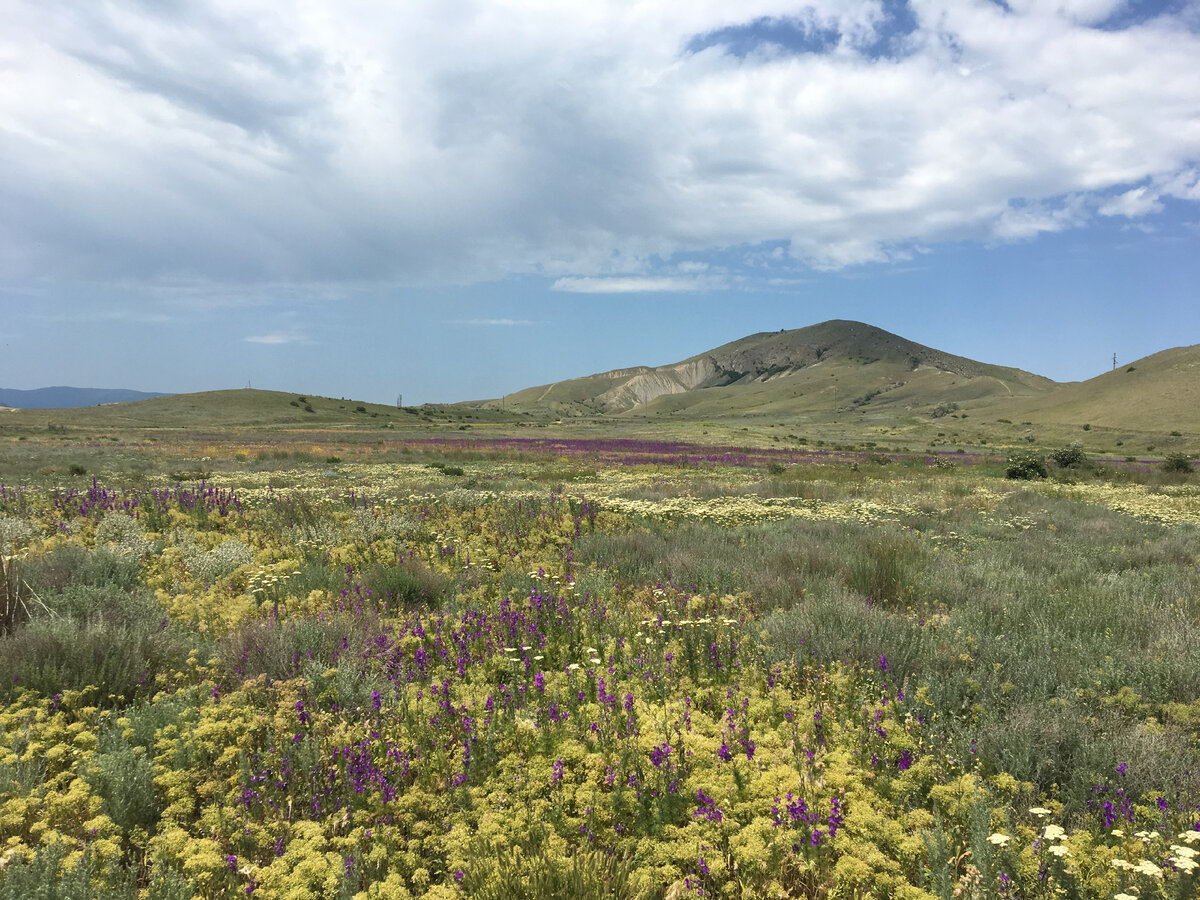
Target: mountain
(68, 397)
(834, 367)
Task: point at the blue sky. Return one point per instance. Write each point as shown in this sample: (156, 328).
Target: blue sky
(466, 199)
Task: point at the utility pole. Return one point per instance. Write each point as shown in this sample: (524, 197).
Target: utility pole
(399, 401)
(1114, 362)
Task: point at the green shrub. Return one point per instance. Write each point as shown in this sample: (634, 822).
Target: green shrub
(943, 409)
(1177, 462)
(48, 875)
(51, 656)
(1025, 465)
(73, 564)
(404, 585)
(1071, 457)
(102, 604)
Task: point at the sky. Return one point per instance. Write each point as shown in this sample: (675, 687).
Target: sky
(446, 200)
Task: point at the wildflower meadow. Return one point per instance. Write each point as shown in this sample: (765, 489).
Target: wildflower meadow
(514, 668)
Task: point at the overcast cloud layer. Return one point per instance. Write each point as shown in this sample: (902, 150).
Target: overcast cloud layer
(350, 141)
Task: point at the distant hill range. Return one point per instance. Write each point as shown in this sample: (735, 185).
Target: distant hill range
(68, 397)
(844, 379)
(857, 374)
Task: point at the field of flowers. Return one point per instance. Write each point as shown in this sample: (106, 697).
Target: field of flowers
(550, 669)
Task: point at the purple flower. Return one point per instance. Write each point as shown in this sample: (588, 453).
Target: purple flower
(835, 815)
(1122, 768)
(557, 776)
(708, 808)
(659, 755)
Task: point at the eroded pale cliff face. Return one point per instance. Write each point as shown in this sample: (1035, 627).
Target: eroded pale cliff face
(650, 384)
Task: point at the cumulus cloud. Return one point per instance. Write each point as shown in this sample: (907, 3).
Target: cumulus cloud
(595, 143)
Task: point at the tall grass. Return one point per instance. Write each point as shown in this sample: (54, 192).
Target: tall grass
(1023, 632)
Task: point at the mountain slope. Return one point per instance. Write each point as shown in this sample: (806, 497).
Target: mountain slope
(826, 367)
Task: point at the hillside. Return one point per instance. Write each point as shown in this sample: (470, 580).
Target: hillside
(836, 366)
(239, 409)
(1160, 392)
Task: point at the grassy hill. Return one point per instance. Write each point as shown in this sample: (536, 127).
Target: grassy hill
(244, 409)
(1160, 392)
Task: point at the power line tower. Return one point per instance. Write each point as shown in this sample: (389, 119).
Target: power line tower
(1114, 362)
(399, 401)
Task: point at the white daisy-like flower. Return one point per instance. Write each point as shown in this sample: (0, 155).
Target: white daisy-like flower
(998, 839)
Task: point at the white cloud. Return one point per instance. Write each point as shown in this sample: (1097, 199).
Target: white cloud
(492, 322)
(274, 338)
(1132, 204)
(636, 285)
(358, 141)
